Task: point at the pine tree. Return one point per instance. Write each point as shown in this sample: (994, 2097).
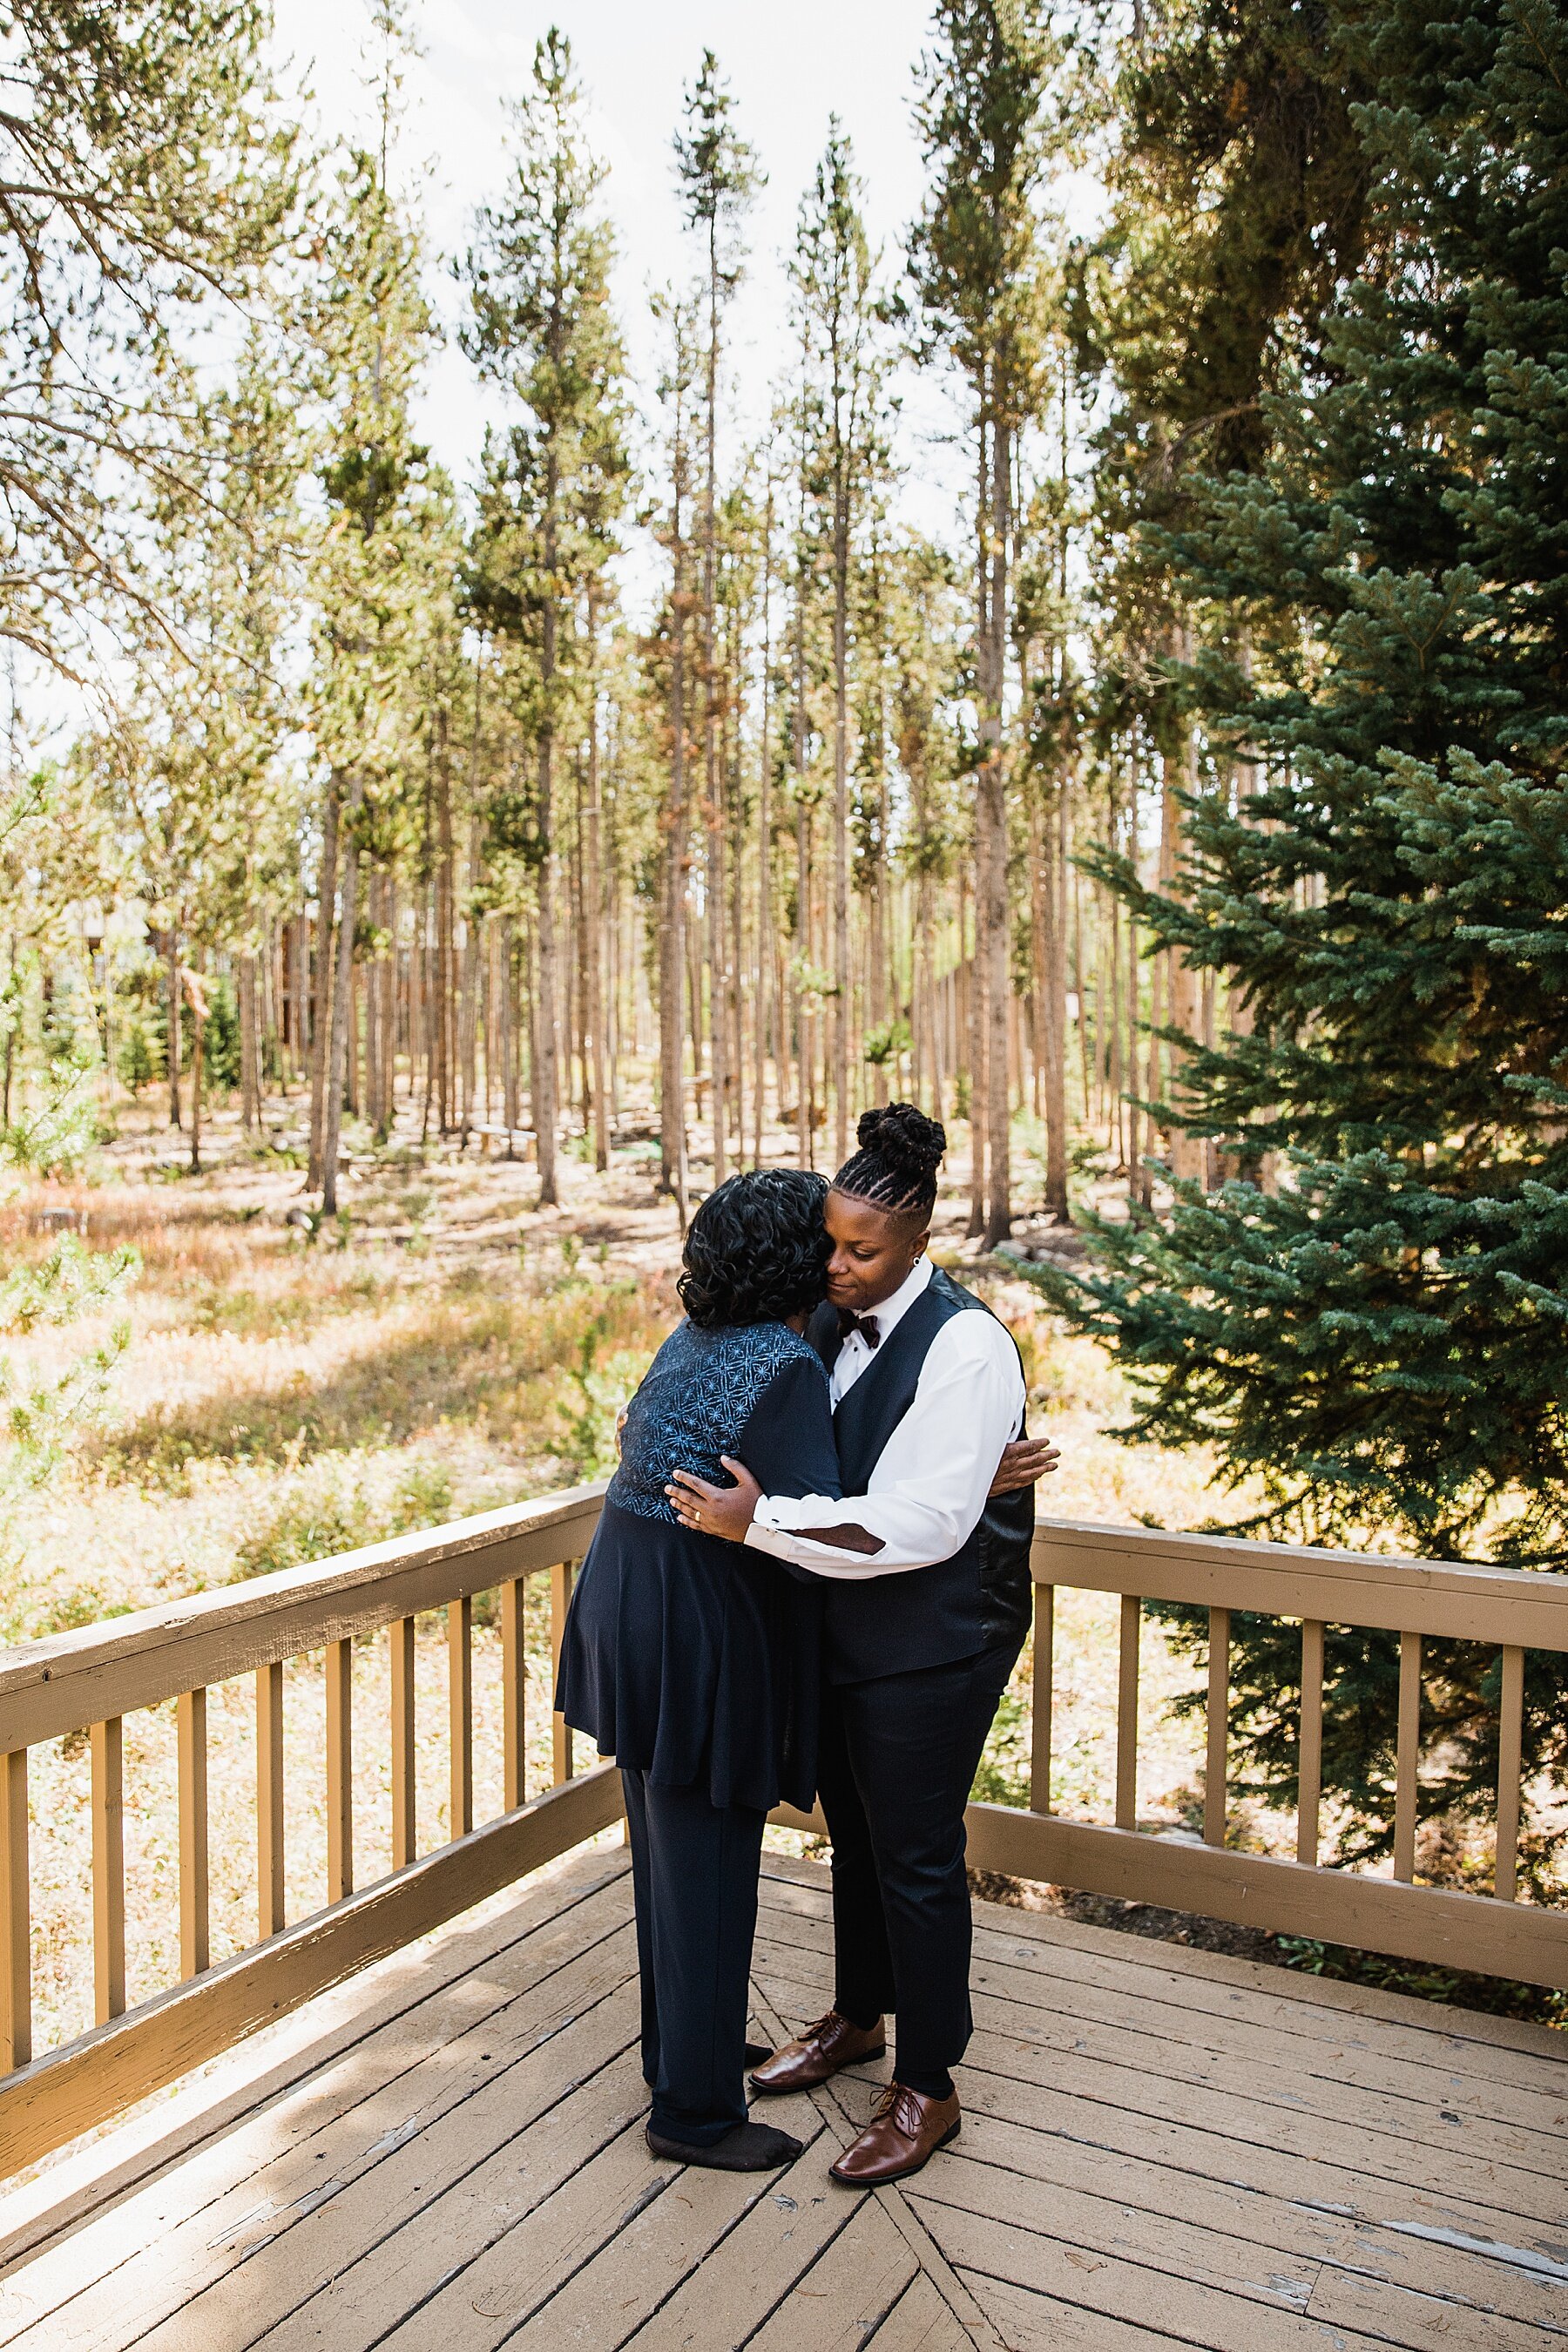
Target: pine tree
(539, 288)
(718, 176)
(833, 273)
(1381, 1341)
(974, 261)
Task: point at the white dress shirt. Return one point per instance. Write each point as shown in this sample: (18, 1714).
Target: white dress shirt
(929, 1484)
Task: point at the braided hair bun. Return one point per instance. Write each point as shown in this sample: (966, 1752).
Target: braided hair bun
(896, 1165)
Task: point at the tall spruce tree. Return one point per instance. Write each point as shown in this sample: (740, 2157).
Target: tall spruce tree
(1381, 1341)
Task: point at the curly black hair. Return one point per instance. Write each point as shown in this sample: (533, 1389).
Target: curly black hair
(757, 1249)
(895, 1168)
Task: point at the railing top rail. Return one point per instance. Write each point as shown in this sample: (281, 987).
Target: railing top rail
(62, 1684)
(70, 1680)
(1453, 1598)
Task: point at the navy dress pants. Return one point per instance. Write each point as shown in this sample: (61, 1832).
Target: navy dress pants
(896, 1761)
(694, 1873)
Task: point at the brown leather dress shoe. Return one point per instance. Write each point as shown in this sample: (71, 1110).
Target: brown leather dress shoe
(819, 2051)
(905, 2132)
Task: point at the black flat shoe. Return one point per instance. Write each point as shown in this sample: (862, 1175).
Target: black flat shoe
(745, 2147)
(755, 2053)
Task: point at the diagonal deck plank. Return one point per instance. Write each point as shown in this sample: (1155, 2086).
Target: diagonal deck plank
(846, 2296)
(918, 2322)
(175, 2234)
(1161, 2148)
(365, 2159)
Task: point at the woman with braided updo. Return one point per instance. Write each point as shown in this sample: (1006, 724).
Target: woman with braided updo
(923, 1625)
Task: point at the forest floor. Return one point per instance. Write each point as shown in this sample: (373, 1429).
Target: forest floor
(443, 1346)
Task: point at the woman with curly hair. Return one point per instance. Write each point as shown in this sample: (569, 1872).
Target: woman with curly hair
(696, 1666)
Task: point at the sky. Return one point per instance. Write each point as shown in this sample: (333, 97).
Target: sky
(790, 70)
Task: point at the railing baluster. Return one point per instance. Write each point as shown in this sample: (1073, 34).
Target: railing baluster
(269, 1908)
(15, 1916)
(1407, 1756)
(514, 1692)
(108, 1871)
(1040, 1732)
(403, 1790)
(1127, 1715)
(1510, 1765)
(1309, 1763)
(340, 1770)
(1217, 1767)
(191, 1713)
(560, 1595)
(460, 1709)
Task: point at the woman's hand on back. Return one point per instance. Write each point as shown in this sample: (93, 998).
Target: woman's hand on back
(1024, 1460)
(716, 1510)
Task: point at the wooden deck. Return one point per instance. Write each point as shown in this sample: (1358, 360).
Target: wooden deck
(1159, 2147)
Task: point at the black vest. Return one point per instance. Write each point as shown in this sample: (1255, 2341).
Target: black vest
(920, 1616)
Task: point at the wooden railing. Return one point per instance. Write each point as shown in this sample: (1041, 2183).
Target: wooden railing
(1512, 1610)
(89, 1681)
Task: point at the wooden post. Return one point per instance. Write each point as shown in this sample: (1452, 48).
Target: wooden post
(1127, 1715)
(191, 1712)
(560, 1596)
(16, 1916)
(514, 1694)
(340, 1770)
(1216, 1770)
(107, 1872)
(270, 1905)
(1408, 1753)
(403, 1788)
(460, 1710)
(1040, 1734)
(1510, 1724)
(1309, 1765)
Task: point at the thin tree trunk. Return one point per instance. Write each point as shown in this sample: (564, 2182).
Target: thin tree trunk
(320, 1019)
(342, 1012)
(198, 1044)
(1051, 996)
(511, 1039)
(764, 849)
(842, 976)
(386, 1107)
(672, 934)
(249, 1073)
(594, 890)
(992, 926)
(175, 1043)
(469, 1022)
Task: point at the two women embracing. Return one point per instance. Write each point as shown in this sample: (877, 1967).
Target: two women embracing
(810, 1578)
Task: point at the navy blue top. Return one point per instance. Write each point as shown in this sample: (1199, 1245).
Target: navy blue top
(684, 1656)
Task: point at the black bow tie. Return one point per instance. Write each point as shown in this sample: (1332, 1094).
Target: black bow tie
(865, 1324)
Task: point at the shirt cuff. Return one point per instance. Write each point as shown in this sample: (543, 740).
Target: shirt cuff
(796, 1513)
(762, 1538)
